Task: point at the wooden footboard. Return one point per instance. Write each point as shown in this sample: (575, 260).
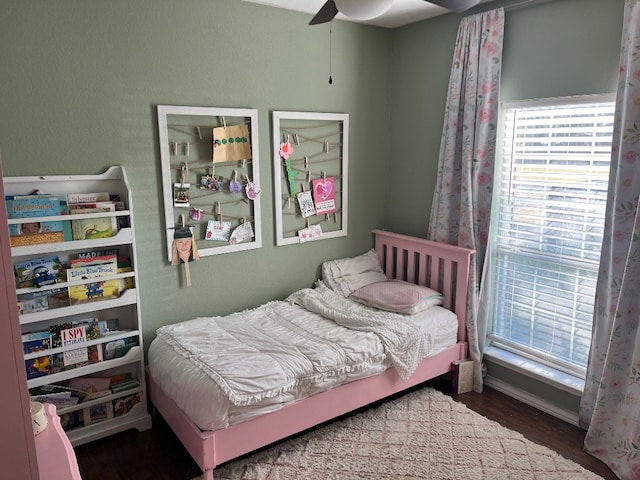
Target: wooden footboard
(440, 266)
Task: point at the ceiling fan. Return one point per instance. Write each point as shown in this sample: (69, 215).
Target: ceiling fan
(366, 10)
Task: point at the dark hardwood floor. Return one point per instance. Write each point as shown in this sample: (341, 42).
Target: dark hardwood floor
(158, 455)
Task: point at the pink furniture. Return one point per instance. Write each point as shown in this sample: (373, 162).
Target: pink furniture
(56, 458)
(439, 266)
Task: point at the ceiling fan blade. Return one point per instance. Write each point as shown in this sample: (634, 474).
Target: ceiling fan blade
(325, 14)
(455, 5)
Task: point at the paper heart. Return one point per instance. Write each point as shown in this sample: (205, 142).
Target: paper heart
(323, 190)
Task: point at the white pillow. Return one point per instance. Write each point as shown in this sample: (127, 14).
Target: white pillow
(397, 296)
(347, 275)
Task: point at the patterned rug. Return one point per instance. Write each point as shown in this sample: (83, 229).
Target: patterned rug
(422, 435)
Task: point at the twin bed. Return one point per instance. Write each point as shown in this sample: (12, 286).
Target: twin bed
(376, 324)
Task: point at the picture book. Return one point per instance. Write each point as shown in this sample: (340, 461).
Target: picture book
(56, 333)
(27, 206)
(118, 348)
(74, 336)
(97, 413)
(102, 289)
(95, 328)
(98, 227)
(30, 206)
(97, 260)
(79, 358)
(39, 301)
(90, 384)
(97, 253)
(36, 341)
(53, 390)
(88, 197)
(129, 384)
(38, 367)
(122, 406)
(38, 272)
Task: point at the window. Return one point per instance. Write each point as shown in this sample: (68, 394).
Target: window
(549, 210)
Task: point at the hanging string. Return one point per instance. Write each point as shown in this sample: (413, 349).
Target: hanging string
(330, 32)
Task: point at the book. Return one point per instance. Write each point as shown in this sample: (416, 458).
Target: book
(53, 389)
(74, 336)
(38, 272)
(36, 341)
(101, 289)
(42, 300)
(88, 197)
(97, 413)
(94, 260)
(39, 367)
(122, 406)
(31, 206)
(118, 348)
(56, 333)
(90, 228)
(125, 385)
(77, 359)
(96, 328)
(90, 384)
(97, 253)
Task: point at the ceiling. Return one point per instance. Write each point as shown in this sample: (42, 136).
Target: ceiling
(402, 12)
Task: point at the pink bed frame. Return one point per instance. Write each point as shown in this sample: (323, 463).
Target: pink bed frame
(440, 266)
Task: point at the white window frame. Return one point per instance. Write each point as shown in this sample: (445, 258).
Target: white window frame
(506, 148)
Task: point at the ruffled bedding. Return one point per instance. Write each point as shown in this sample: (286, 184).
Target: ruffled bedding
(224, 370)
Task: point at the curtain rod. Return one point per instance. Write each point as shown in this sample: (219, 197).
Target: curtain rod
(524, 3)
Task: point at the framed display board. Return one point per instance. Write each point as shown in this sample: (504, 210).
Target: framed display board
(310, 165)
(210, 181)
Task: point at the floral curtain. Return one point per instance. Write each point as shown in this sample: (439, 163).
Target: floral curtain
(610, 404)
(462, 200)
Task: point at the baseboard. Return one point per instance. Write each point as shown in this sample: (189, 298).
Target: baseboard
(532, 400)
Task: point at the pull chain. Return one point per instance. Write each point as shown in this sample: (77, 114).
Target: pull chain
(330, 32)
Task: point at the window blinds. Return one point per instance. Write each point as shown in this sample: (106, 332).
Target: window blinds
(551, 202)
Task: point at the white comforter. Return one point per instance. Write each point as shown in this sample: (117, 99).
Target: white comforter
(284, 350)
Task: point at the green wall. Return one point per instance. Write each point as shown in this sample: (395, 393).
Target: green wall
(81, 80)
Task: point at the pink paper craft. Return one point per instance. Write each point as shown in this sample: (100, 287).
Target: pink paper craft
(324, 195)
(286, 150)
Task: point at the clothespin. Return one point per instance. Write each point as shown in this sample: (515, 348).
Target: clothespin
(243, 163)
(308, 176)
(174, 148)
(187, 148)
(218, 211)
(224, 122)
(289, 202)
(335, 217)
(296, 139)
(306, 162)
(306, 223)
(326, 146)
(184, 171)
(324, 175)
(199, 133)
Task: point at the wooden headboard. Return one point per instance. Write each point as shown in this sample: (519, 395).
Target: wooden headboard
(440, 266)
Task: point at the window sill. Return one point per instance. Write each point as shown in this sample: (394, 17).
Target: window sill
(538, 371)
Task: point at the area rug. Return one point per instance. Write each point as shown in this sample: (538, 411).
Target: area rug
(422, 435)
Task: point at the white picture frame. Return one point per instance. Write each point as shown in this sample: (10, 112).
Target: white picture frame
(186, 136)
(320, 144)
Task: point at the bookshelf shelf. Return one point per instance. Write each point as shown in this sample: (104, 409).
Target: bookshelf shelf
(125, 307)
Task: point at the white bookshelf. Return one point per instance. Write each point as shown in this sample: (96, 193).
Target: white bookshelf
(126, 307)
